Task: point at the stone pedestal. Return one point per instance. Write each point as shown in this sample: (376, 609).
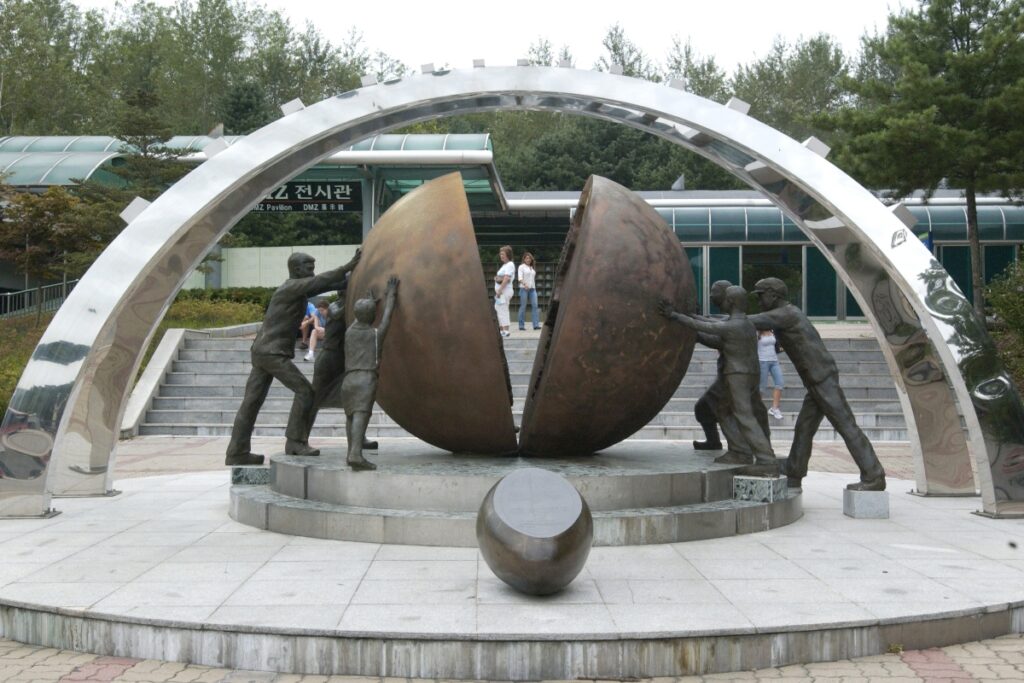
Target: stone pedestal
(759, 489)
(250, 476)
(866, 504)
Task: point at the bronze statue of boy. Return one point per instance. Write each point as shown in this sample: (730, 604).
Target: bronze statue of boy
(329, 367)
(741, 371)
(363, 344)
(820, 375)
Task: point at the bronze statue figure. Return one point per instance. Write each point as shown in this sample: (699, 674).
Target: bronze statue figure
(363, 344)
(713, 408)
(825, 398)
(272, 354)
(741, 371)
(329, 366)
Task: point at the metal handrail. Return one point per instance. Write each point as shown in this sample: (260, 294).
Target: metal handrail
(42, 299)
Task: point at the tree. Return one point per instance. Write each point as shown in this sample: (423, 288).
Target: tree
(703, 75)
(39, 230)
(794, 84)
(938, 97)
(623, 51)
(245, 109)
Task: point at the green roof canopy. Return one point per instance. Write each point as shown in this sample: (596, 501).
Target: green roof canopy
(60, 143)
(41, 169)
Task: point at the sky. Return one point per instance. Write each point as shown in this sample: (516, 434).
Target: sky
(454, 33)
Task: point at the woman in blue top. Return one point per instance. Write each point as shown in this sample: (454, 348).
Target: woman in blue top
(768, 355)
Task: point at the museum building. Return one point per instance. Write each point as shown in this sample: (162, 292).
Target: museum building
(734, 235)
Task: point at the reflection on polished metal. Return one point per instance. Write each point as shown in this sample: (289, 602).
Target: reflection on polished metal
(607, 363)
(78, 378)
(444, 380)
(535, 531)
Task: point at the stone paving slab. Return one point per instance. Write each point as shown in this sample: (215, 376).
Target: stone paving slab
(170, 543)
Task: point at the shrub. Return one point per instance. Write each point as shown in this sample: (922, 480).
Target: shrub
(201, 313)
(1005, 295)
(252, 295)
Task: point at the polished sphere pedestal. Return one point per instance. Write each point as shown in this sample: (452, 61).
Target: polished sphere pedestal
(535, 531)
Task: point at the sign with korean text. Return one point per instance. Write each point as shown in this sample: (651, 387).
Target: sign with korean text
(313, 195)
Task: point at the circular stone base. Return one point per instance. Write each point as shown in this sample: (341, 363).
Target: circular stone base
(640, 492)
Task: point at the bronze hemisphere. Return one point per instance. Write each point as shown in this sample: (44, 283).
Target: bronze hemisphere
(535, 531)
(442, 374)
(607, 362)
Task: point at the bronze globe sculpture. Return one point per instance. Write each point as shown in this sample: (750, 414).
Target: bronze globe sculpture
(607, 362)
(535, 531)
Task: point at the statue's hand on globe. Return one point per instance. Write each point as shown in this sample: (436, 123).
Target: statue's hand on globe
(665, 308)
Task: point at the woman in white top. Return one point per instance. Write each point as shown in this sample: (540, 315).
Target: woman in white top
(769, 358)
(503, 288)
(528, 291)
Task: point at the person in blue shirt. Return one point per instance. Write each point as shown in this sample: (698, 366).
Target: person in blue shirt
(318, 323)
(307, 324)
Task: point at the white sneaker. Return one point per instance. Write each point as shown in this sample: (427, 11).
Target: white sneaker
(308, 356)
(775, 412)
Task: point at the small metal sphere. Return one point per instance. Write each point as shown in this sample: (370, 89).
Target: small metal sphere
(535, 531)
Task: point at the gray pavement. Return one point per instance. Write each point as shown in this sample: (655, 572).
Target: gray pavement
(994, 659)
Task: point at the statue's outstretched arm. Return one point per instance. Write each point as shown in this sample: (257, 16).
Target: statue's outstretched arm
(390, 298)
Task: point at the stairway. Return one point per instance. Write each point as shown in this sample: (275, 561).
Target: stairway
(201, 392)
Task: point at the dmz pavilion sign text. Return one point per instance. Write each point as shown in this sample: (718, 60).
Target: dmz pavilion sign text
(313, 195)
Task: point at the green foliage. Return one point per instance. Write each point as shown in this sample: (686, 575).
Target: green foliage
(188, 54)
(259, 296)
(18, 338)
(245, 109)
(937, 99)
(793, 84)
(703, 75)
(1005, 295)
(200, 313)
(624, 52)
(44, 234)
(296, 230)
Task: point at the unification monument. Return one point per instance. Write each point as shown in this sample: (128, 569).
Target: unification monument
(78, 379)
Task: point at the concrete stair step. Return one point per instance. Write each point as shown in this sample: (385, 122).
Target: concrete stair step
(521, 342)
(685, 391)
(238, 362)
(330, 416)
(225, 376)
(789, 404)
(656, 432)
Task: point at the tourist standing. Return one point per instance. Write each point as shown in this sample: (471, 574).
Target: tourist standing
(527, 274)
(768, 355)
(503, 288)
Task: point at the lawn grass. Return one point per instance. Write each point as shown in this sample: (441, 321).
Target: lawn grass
(19, 336)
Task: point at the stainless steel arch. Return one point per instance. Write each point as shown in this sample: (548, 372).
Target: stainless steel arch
(74, 388)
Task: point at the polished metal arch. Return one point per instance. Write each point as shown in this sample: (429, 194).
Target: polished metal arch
(75, 386)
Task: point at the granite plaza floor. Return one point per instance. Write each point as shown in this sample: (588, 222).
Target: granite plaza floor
(133, 553)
